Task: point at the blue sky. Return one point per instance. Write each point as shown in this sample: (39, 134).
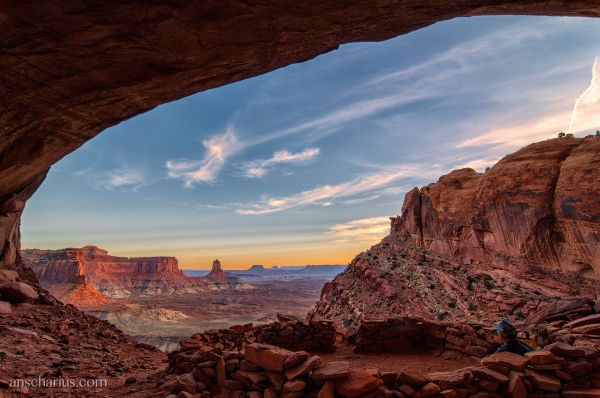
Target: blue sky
(304, 165)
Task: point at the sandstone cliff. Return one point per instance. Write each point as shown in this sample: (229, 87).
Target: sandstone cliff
(482, 246)
(539, 206)
(114, 276)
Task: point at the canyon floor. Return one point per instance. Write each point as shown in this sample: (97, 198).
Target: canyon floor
(162, 320)
(58, 341)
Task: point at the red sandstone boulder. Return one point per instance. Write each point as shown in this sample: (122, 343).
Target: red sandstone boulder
(562, 308)
(544, 381)
(448, 379)
(357, 383)
(17, 292)
(7, 275)
(516, 386)
(587, 320)
(449, 393)
(327, 391)
(565, 350)
(412, 378)
(303, 368)
(267, 356)
(541, 357)
(505, 360)
(293, 386)
(295, 359)
(489, 374)
(5, 307)
(430, 390)
(331, 370)
(588, 329)
(581, 393)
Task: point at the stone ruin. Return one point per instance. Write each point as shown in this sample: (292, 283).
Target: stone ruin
(215, 364)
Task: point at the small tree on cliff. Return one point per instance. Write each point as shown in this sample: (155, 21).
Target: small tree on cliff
(561, 135)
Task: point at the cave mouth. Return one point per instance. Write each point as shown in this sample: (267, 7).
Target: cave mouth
(103, 64)
(94, 69)
(285, 162)
(282, 170)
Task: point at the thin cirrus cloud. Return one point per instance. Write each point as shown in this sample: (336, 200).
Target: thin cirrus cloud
(586, 111)
(364, 230)
(217, 149)
(326, 195)
(261, 167)
(123, 179)
(584, 117)
(433, 78)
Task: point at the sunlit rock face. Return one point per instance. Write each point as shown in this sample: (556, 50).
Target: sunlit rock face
(71, 70)
(483, 246)
(65, 270)
(538, 206)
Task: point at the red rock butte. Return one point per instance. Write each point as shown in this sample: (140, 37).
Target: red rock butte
(538, 206)
(71, 70)
(68, 269)
(216, 274)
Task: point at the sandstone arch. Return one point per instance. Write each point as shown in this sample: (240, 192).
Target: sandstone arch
(71, 69)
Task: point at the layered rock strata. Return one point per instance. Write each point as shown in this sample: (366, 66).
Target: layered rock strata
(538, 206)
(64, 270)
(482, 246)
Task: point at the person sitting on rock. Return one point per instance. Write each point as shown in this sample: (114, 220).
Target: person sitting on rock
(509, 338)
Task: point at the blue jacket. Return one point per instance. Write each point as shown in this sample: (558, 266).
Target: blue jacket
(514, 346)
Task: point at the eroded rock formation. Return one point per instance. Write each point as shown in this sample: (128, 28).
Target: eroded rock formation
(538, 206)
(71, 70)
(217, 278)
(478, 247)
(62, 271)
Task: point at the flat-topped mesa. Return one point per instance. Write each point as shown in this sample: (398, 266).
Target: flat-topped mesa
(112, 275)
(538, 206)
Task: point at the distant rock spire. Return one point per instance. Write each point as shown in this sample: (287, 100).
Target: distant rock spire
(217, 275)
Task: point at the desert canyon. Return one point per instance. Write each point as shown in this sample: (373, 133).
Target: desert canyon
(410, 317)
(455, 260)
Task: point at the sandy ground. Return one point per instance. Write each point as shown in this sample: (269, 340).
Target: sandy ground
(415, 361)
(217, 309)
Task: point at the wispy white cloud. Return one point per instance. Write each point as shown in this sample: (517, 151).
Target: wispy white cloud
(466, 56)
(326, 195)
(259, 168)
(586, 111)
(123, 179)
(361, 200)
(542, 127)
(332, 122)
(585, 117)
(218, 149)
(371, 229)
